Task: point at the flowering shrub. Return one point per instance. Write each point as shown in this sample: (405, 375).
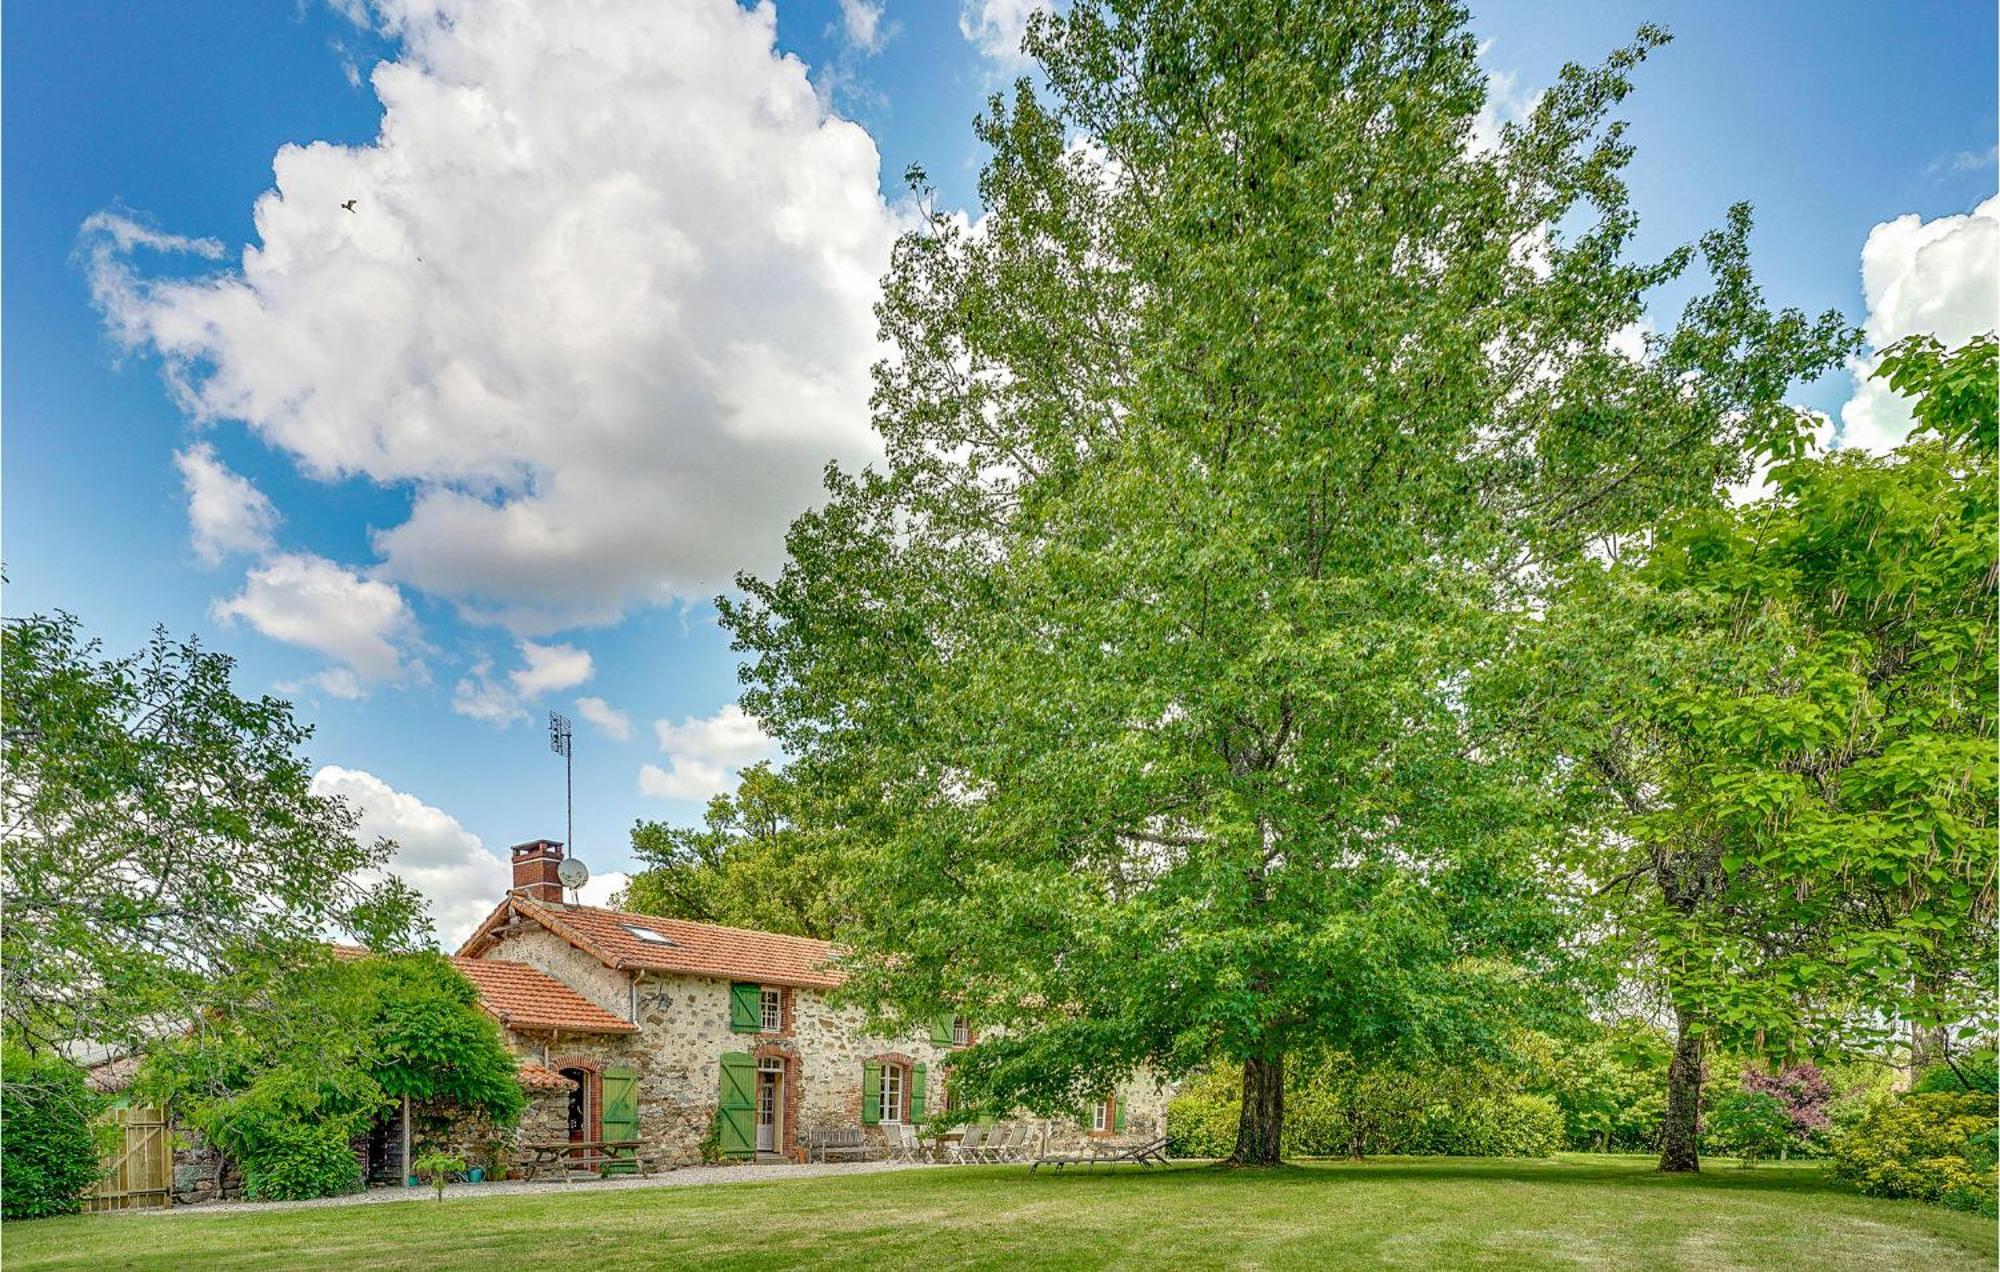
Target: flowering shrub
(1801, 1090)
(1937, 1148)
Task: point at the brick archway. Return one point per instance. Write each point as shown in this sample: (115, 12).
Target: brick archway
(593, 1091)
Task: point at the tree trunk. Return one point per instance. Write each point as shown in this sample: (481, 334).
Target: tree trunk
(1263, 1117)
(1680, 1134)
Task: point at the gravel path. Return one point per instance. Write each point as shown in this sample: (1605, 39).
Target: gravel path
(692, 1176)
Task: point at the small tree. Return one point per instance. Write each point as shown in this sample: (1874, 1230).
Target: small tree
(436, 1169)
(1803, 1091)
(1753, 1123)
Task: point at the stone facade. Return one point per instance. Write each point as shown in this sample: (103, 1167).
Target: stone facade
(684, 1031)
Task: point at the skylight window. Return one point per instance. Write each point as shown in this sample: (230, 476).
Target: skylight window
(647, 935)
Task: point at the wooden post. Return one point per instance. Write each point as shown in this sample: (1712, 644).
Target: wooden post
(406, 1142)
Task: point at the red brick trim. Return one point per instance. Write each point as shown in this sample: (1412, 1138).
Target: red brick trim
(593, 1091)
(788, 1139)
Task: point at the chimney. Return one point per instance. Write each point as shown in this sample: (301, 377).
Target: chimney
(535, 865)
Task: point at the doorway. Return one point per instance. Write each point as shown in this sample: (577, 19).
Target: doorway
(770, 1105)
(579, 1105)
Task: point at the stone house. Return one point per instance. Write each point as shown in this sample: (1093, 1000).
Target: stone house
(633, 1027)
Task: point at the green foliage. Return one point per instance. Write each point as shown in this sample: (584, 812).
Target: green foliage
(1213, 463)
(1952, 392)
(161, 831)
(1609, 1085)
(49, 1154)
(1937, 1148)
(437, 1169)
(1751, 1124)
(766, 858)
(710, 1147)
(310, 1054)
(288, 1160)
(1338, 1109)
(429, 1040)
(1974, 1073)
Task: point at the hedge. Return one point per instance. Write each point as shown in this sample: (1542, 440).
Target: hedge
(49, 1152)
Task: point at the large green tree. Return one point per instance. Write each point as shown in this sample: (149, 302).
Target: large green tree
(160, 832)
(1787, 707)
(1239, 428)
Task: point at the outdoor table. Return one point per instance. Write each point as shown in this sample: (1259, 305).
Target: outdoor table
(595, 1154)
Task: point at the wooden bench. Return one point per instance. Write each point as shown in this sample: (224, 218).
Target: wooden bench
(565, 1157)
(827, 1143)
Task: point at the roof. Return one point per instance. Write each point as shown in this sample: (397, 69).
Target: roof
(527, 998)
(692, 949)
(538, 1077)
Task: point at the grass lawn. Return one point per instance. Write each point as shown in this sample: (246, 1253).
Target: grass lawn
(1573, 1212)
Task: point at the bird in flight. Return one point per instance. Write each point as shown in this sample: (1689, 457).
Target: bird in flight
(349, 205)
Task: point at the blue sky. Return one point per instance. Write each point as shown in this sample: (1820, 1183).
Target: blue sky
(471, 477)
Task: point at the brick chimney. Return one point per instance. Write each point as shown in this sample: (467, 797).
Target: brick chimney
(535, 865)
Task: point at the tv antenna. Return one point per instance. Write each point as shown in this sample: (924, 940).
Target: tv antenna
(562, 740)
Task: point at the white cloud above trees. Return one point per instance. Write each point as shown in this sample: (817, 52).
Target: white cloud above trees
(704, 754)
(1939, 277)
(437, 856)
(608, 351)
(226, 513)
(484, 695)
(363, 625)
(995, 28)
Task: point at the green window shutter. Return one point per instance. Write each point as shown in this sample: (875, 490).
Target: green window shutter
(1117, 1114)
(941, 1030)
(619, 1117)
(738, 1108)
(746, 1008)
(871, 1093)
(916, 1093)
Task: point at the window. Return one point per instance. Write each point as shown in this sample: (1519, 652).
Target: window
(961, 1032)
(892, 1092)
(647, 935)
(773, 1010)
(1103, 1114)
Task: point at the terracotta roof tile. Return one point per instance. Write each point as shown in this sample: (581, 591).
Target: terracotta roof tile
(524, 997)
(694, 949)
(541, 1078)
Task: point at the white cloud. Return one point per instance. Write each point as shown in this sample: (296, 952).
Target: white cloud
(1936, 277)
(226, 513)
(482, 697)
(704, 754)
(609, 351)
(861, 21)
(599, 889)
(1963, 162)
(362, 624)
(544, 669)
(688, 779)
(995, 27)
(547, 668)
(434, 854)
(613, 722)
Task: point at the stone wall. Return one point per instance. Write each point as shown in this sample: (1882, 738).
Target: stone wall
(684, 1032)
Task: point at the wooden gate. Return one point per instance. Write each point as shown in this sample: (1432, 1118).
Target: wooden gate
(139, 1173)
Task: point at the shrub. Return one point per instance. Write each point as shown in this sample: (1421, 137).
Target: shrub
(1510, 1126)
(1751, 1124)
(48, 1151)
(298, 1160)
(1803, 1092)
(1339, 1111)
(1937, 1148)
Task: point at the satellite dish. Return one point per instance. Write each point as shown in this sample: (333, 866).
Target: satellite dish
(572, 873)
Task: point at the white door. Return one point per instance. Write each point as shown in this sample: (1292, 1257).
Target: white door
(770, 1073)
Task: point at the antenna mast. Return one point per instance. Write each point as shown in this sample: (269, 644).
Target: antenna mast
(562, 740)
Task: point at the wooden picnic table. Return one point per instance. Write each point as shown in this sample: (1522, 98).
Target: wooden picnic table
(595, 1154)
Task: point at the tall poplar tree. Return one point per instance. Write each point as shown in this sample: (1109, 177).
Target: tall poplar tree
(1223, 445)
